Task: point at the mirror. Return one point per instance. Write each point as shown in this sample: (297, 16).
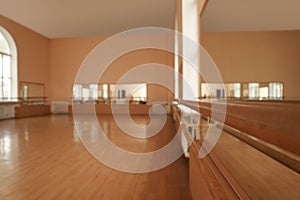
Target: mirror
(32, 93)
(246, 91)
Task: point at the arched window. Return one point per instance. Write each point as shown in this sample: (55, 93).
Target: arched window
(8, 66)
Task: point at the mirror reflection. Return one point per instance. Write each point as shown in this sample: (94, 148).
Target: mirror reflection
(245, 91)
(32, 93)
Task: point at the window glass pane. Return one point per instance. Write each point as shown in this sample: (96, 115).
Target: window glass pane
(85, 94)
(263, 93)
(140, 92)
(213, 90)
(136, 92)
(1, 66)
(4, 47)
(77, 92)
(6, 87)
(190, 29)
(94, 91)
(176, 60)
(105, 91)
(6, 67)
(253, 90)
(276, 90)
(25, 91)
(237, 90)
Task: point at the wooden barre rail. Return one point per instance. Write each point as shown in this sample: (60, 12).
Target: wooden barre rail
(288, 159)
(250, 123)
(221, 185)
(275, 123)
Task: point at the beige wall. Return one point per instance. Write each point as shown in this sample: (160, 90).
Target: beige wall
(54, 62)
(33, 53)
(66, 56)
(257, 56)
(240, 56)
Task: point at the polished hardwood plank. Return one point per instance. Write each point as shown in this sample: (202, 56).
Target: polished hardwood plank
(41, 158)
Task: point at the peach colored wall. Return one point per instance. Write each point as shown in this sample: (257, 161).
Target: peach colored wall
(257, 56)
(33, 53)
(136, 58)
(66, 56)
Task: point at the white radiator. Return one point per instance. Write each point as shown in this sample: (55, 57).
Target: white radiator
(7, 111)
(59, 107)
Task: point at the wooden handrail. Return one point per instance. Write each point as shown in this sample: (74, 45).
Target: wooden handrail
(273, 122)
(286, 158)
(251, 123)
(220, 181)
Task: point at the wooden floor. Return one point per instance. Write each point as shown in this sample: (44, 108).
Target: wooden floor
(41, 158)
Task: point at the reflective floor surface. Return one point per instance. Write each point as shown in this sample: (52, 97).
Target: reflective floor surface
(43, 158)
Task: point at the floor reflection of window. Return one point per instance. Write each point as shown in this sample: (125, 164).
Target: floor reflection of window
(5, 146)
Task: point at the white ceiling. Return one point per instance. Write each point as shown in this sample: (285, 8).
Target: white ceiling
(251, 15)
(76, 18)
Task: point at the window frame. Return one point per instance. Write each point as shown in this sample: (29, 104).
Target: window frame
(13, 74)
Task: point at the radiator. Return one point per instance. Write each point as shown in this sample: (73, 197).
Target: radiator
(7, 111)
(59, 107)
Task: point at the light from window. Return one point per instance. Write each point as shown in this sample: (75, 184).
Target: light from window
(77, 92)
(25, 92)
(263, 93)
(93, 91)
(190, 29)
(213, 90)
(5, 69)
(275, 90)
(105, 91)
(85, 94)
(135, 91)
(4, 46)
(176, 60)
(253, 90)
(8, 66)
(236, 90)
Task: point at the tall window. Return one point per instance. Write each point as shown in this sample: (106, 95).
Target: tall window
(176, 60)
(190, 30)
(8, 66)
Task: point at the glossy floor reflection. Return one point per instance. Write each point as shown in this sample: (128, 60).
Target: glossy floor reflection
(43, 158)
